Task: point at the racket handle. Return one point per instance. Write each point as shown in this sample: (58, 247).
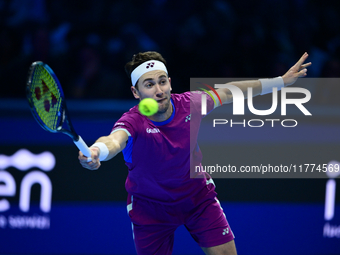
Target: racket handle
(83, 148)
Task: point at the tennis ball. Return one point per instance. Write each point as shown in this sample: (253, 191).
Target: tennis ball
(148, 106)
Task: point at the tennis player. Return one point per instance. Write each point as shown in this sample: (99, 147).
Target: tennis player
(156, 149)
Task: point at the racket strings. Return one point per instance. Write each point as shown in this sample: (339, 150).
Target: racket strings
(46, 97)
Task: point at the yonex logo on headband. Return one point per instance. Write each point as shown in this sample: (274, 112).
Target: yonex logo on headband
(145, 67)
(150, 65)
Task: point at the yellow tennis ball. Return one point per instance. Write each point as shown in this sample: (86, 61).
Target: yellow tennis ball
(148, 106)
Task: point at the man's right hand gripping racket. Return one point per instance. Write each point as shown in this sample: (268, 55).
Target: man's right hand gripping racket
(47, 103)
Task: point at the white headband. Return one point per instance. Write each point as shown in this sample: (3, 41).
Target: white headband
(145, 67)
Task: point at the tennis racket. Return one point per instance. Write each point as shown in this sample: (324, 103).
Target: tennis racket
(47, 102)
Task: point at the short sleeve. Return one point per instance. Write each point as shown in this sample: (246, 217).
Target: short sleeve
(127, 124)
(196, 102)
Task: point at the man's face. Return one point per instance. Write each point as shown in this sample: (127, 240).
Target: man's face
(154, 84)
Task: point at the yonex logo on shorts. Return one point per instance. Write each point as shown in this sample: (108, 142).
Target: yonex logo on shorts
(150, 65)
(225, 231)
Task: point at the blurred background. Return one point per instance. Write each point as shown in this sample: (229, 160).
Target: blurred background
(87, 43)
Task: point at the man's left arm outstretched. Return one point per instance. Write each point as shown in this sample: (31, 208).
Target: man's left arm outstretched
(264, 86)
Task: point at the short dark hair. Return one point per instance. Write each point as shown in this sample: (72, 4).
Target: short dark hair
(140, 58)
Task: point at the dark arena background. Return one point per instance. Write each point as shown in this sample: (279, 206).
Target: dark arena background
(49, 204)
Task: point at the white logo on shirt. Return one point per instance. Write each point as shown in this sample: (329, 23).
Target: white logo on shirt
(152, 130)
(119, 124)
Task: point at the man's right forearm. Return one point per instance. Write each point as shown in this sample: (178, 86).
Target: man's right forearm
(110, 146)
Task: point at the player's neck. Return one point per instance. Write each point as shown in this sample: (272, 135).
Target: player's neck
(163, 116)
